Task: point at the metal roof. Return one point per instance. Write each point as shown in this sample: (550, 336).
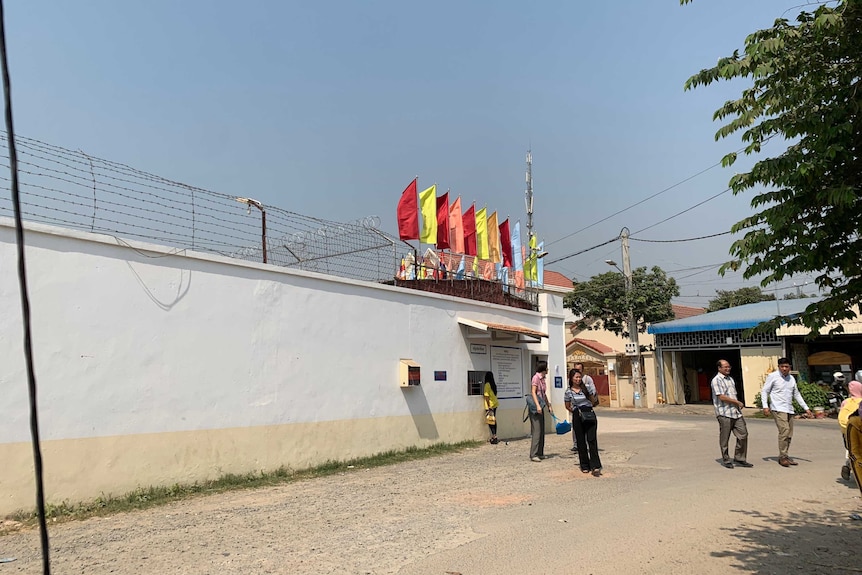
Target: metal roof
(483, 325)
(740, 317)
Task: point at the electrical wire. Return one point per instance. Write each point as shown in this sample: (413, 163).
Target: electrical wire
(676, 215)
(636, 204)
(25, 302)
(667, 219)
(680, 240)
(582, 251)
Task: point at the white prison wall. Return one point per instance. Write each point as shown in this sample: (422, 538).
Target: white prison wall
(156, 367)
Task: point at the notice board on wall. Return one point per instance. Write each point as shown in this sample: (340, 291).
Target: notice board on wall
(508, 371)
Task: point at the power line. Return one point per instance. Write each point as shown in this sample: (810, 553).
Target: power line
(647, 228)
(636, 204)
(583, 251)
(667, 219)
(680, 240)
(25, 302)
(707, 266)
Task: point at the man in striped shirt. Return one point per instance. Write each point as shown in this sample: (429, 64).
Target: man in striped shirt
(728, 411)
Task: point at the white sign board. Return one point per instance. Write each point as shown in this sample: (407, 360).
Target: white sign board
(508, 371)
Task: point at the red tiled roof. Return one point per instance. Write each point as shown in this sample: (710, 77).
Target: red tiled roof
(683, 311)
(556, 279)
(592, 344)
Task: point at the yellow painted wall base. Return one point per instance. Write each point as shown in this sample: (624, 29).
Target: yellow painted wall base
(79, 470)
(756, 364)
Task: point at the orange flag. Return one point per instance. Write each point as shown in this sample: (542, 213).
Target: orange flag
(494, 239)
(456, 227)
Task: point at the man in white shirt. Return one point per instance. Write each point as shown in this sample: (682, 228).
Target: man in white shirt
(728, 411)
(779, 391)
(589, 382)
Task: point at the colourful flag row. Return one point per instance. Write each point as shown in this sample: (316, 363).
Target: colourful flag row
(473, 232)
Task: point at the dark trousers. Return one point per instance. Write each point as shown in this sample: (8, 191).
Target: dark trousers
(493, 426)
(588, 445)
(726, 425)
(537, 434)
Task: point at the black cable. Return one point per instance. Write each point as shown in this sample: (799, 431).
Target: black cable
(636, 204)
(25, 302)
(646, 228)
(582, 251)
(680, 240)
(710, 198)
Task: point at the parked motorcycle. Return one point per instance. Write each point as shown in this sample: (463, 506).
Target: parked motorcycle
(838, 392)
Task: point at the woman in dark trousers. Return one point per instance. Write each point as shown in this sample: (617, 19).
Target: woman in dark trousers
(491, 403)
(579, 397)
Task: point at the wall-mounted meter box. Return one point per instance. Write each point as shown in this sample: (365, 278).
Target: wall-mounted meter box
(408, 373)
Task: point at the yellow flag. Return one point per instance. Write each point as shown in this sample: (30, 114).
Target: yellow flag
(428, 209)
(494, 239)
(533, 273)
(482, 234)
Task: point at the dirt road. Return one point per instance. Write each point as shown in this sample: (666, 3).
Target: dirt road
(664, 505)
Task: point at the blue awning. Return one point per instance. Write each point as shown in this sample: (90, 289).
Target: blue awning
(740, 317)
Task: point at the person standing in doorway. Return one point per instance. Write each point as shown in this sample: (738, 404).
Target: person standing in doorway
(537, 401)
(588, 381)
(779, 391)
(728, 411)
(491, 403)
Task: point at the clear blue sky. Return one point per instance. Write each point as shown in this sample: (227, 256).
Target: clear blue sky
(329, 108)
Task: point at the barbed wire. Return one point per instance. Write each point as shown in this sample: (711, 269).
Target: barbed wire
(77, 190)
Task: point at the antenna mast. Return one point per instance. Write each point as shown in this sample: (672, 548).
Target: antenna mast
(529, 196)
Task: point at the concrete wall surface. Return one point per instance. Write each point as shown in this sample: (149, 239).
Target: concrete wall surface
(156, 367)
(757, 363)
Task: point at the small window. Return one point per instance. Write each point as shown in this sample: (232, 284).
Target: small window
(624, 366)
(475, 382)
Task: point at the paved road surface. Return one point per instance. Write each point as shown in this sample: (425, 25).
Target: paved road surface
(664, 505)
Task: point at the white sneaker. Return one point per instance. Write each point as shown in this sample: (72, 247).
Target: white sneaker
(536, 459)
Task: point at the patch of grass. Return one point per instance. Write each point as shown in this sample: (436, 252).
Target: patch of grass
(146, 497)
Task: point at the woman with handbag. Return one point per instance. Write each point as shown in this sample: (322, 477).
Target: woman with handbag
(580, 399)
(491, 404)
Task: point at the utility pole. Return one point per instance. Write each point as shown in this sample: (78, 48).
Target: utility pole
(633, 349)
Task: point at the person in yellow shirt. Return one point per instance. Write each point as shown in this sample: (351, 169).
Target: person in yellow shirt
(491, 404)
(848, 408)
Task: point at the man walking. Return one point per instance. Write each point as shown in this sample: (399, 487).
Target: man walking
(779, 391)
(589, 382)
(728, 411)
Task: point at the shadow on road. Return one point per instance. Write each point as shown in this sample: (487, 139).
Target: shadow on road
(820, 542)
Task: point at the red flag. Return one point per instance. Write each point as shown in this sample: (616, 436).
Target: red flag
(506, 244)
(469, 221)
(443, 221)
(408, 213)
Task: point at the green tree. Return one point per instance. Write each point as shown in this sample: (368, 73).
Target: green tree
(732, 298)
(804, 96)
(603, 303)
